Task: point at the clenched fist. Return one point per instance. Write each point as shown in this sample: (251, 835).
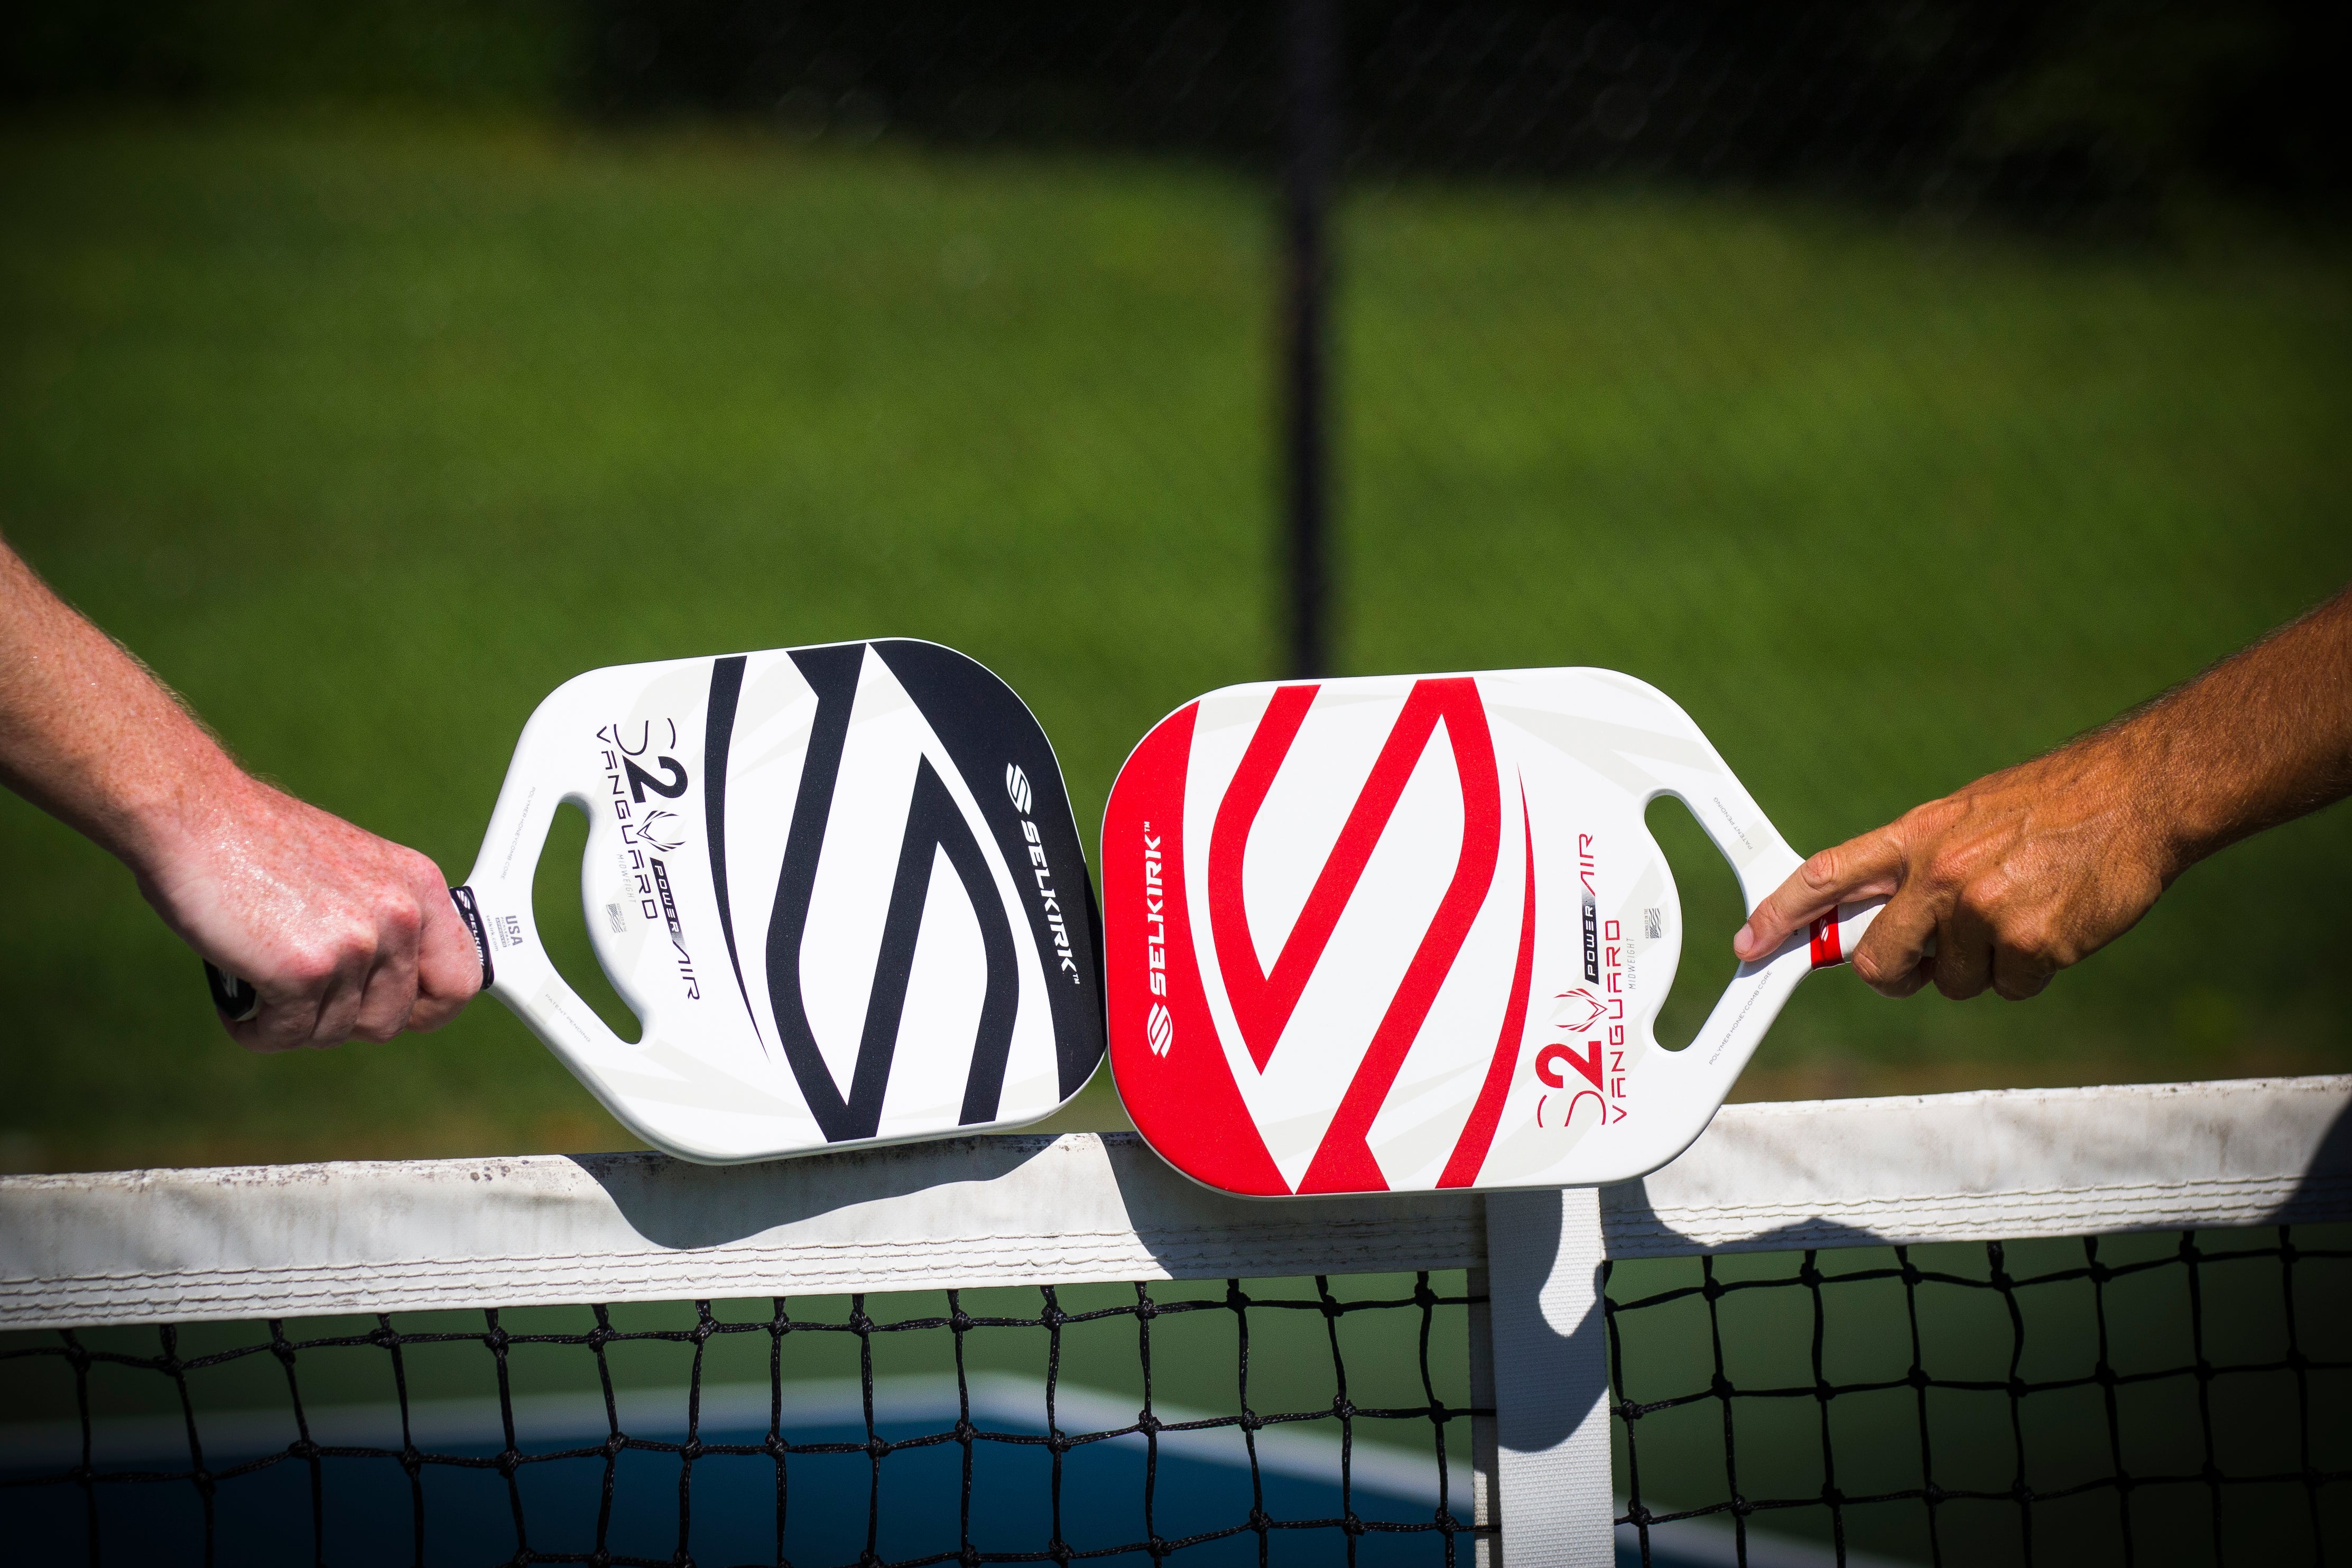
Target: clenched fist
(344, 935)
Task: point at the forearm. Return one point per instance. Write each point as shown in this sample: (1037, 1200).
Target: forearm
(2261, 738)
(89, 736)
(340, 933)
(2006, 881)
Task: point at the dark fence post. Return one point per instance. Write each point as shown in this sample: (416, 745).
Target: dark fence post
(1312, 89)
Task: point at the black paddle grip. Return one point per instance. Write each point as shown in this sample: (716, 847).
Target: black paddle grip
(238, 1001)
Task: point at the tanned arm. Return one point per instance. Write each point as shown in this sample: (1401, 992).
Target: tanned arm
(343, 935)
(2037, 867)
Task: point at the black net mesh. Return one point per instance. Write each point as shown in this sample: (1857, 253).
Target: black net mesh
(2149, 1399)
(2136, 1399)
(817, 1479)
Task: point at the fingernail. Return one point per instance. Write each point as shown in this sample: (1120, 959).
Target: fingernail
(1744, 943)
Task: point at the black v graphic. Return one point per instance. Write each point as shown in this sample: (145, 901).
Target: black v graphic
(934, 827)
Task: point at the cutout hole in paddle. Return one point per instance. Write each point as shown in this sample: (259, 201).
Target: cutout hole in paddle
(555, 904)
(1712, 911)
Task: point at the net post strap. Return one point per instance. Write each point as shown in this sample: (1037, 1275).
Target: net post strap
(1479, 1287)
(1551, 1415)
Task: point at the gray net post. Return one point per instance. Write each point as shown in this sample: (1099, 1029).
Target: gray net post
(1551, 1410)
(1312, 89)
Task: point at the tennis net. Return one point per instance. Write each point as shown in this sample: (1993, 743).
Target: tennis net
(2107, 1325)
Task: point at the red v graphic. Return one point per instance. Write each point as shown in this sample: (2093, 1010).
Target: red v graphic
(1263, 1002)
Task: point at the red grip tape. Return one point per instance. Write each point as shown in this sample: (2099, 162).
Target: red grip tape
(1828, 946)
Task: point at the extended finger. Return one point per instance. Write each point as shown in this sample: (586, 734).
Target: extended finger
(1864, 867)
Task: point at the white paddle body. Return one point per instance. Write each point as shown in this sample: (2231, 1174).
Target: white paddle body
(1406, 933)
(839, 887)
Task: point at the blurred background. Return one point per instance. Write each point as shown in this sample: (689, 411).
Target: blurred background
(1903, 387)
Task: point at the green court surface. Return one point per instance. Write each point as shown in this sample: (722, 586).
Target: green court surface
(365, 433)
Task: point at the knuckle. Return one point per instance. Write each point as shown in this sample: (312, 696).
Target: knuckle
(2030, 938)
(1820, 870)
(1976, 897)
(422, 875)
(401, 919)
(2041, 941)
(1928, 819)
(314, 964)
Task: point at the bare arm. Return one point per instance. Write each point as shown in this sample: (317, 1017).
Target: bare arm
(2037, 867)
(343, 933)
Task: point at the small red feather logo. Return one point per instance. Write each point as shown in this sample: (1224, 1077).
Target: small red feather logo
(1577, 1009)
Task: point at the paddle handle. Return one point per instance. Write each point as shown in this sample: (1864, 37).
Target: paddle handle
(238, 1002)
(1831, 938)
(1834, 937)
(1761, 859)
(1759, 989)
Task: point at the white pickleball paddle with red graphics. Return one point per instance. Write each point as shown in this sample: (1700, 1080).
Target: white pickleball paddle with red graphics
(1406, 933)
(840, 887)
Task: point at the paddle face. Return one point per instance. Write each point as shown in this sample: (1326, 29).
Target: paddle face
(1410, 933)
(840, 887)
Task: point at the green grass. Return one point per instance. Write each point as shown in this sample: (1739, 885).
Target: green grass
(367, 431)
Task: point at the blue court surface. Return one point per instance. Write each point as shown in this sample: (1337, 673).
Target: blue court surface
(726, 1512)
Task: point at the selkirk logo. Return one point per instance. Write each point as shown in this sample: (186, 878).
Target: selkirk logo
(1016, 787)
(1160, 1028)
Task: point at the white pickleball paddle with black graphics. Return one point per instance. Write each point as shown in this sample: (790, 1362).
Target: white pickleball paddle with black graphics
(840, 887)
(1408, 932)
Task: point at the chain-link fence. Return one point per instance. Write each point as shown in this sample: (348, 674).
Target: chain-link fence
(1861, 373)
(1903, 387)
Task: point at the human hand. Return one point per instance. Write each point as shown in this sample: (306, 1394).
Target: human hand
(2002, 884)
(342, 934)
